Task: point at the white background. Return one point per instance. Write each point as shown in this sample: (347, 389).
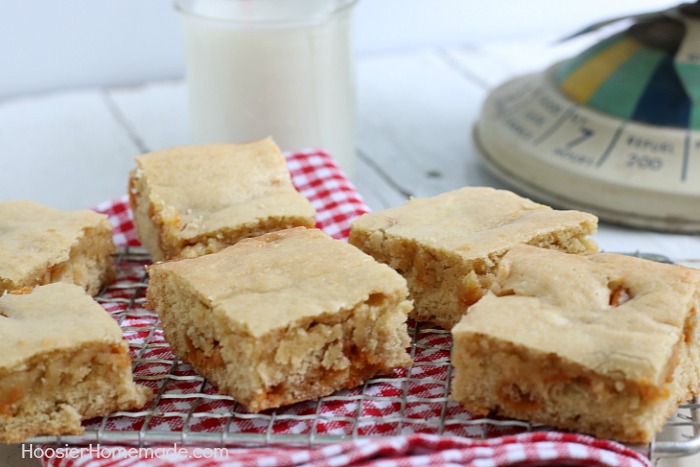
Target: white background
(56, 44)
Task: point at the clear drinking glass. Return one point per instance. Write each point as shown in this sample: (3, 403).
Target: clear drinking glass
(280, 68)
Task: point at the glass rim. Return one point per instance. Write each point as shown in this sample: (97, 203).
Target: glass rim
(342, 6)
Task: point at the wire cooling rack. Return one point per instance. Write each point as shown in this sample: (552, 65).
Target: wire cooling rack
(186, 408)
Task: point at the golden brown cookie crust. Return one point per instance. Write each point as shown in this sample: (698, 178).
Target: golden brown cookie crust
(448, 246)
(193, 200)
(62, 360)
(40, 245)
(604, 344)
(284, 317)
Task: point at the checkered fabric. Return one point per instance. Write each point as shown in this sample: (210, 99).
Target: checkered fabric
(404, 419)
(531, 449)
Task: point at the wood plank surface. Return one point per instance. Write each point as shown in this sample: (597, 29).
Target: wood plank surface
(65, 150)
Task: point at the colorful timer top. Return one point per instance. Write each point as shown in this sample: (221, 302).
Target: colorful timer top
(648, 74)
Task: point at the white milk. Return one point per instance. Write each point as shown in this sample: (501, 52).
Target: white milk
(280, 68)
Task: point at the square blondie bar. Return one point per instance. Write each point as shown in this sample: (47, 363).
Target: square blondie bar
(40, 245)
(62, 360)
(284, 317)
(603, 344)
(447, 247)
(193, 200)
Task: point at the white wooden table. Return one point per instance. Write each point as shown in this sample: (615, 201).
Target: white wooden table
(416, 111)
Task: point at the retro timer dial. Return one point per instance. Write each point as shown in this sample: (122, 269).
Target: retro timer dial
(614, 131)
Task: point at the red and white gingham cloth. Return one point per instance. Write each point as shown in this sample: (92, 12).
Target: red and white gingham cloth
(530, 449)
(337, 203)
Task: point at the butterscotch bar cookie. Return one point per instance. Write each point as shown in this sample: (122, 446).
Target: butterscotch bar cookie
(447, 247)
(194, 200)
(40, 244)
(604, 344)
(284, 317)
(62, 360)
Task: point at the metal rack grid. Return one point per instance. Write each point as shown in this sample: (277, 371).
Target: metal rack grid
(186, 408)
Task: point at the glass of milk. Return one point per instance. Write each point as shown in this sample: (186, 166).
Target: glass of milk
(280, 68)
